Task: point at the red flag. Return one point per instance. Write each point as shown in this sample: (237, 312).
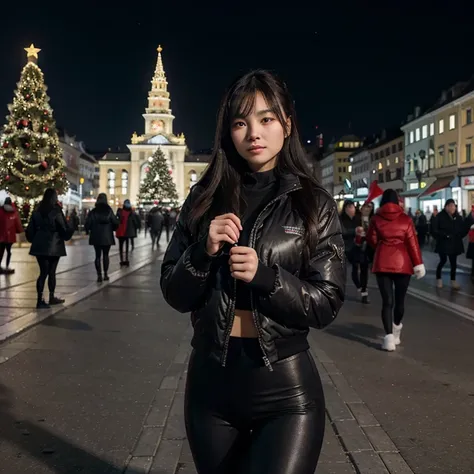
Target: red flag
(374, 191)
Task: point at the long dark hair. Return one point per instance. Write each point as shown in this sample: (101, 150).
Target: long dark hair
(49, 201)
(389, 196)
(222, 180)
(101, 200)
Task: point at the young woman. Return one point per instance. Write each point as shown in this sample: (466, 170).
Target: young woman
(129, 222)
(101, 223)
(257, 257)
(397, 256)
(10, 225)
(47, 231)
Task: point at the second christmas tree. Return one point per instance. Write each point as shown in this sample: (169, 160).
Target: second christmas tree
(158, 184)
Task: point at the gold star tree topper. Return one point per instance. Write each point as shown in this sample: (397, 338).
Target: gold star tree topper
(32, 52)
(159, 49)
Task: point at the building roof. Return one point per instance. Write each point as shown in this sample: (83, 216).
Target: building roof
(203, 157)
(386, 136)
(116, 156)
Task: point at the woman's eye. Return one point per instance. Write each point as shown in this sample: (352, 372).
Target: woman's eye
(268, 120)
(239, 124)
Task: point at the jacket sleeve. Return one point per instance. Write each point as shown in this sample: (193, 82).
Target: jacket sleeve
(182, 284)
(316, 298)
(113, 220)
(18, 226)
(88, 224)
(64, 229)
(371, 236)
(412, 245)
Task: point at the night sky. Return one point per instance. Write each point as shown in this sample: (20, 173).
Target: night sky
(347, 66)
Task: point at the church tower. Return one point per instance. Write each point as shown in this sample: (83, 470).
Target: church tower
(158, 133)
(158, 116)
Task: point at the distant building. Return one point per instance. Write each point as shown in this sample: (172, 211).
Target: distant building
(122, 173)
(81, 172)
(336, 167)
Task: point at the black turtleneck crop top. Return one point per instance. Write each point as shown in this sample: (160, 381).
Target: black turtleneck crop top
(258, 189)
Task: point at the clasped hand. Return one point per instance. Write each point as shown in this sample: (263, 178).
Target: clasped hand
(243, 261)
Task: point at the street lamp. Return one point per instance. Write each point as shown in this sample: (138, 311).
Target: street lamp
(81, 182)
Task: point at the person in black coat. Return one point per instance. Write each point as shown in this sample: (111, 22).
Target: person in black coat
(155, 222)
(351, 223)
(101, 223)
(47, 231)
(448, 229)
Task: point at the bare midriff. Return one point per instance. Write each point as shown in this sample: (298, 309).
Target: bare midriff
(243, 324)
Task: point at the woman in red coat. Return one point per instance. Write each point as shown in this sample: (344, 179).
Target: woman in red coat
(10, 225)
(397, 256)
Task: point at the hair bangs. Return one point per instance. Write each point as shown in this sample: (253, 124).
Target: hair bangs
(242, 99)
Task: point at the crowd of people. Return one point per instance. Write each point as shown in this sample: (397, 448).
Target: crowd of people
(389, 242)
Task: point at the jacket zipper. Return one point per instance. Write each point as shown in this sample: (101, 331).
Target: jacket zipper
(231, 311)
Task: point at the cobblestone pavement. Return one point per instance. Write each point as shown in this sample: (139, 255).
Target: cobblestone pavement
(99, 388)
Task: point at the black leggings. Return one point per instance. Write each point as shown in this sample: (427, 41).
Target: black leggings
(122, 241)
(361, 281)
(391, 305)
(48, 266)
(8, 247)
(245, 419)
(102, 250)
(443, 258)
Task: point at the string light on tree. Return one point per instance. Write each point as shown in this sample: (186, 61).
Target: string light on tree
(158, 184)
(32, 159)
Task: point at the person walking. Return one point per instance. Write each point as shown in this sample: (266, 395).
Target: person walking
(47, 231)
(397, 256)
(10, 225)
(129, 222)
(257, 257)
(101, 223)
(155, 223)
(352, 232)
(448, 230)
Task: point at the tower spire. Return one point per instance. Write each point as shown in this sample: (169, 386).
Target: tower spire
(158, 115)
(159, 70)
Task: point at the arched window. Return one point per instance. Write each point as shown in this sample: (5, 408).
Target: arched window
(111, 181)
(124, 182)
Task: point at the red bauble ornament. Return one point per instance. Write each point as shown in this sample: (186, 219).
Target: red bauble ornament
(44, 164)
(27, 145)
(170, 171)
(147, 170)
(5, 144)
(24, 123)
(7, 177)
(27, 96)
(45, 112)
(45, 129)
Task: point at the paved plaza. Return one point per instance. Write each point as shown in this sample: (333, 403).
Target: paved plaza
(98, 387)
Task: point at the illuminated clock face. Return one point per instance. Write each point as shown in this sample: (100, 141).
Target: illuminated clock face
(157, 125)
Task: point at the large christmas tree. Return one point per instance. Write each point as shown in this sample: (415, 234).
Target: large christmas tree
(30, 158)
(158, 184)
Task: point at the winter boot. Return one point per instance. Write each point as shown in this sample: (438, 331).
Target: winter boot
(365, 297)
(53, 300)
(99, 278)
(41, 303)
(455, 285)
(397, 330)
(439, 283)
(106, 277)
(389, 343)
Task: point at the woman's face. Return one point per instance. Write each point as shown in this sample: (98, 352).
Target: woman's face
(259, 137)
(350, 210)
(366, 210)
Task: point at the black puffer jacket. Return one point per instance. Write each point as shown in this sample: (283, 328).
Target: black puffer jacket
(298, 300)
(48, 233)
(100, 224)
